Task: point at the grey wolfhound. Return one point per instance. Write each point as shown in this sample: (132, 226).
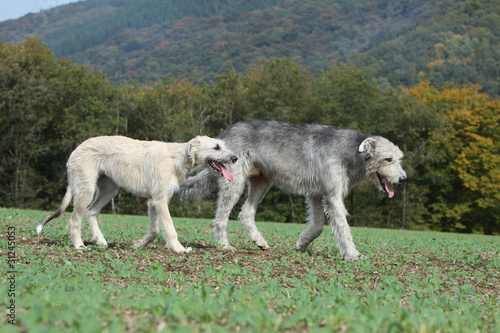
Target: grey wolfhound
(317, 161)
(152, 169)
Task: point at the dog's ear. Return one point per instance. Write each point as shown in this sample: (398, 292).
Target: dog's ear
(191, 148)
(367, 146)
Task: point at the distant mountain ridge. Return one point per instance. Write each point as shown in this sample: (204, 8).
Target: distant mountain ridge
(399, 42)
(78, 26)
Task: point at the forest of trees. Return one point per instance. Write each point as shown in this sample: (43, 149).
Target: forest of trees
(399, 42)
(449, 134)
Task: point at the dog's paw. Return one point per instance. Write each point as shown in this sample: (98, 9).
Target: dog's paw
(300, 247)
(179, 249)
(352, 257)
(262, 245)
(229, 248)
(102, 243)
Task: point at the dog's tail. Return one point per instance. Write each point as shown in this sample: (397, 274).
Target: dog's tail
(64, 204)
(199, 186)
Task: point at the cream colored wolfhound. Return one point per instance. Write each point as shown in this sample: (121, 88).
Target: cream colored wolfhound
(152, 169)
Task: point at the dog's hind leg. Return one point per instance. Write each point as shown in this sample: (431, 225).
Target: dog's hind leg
(168, 228)
(154, 227)
(229, 193)
(106, 190)
(258, 187)
(315, 224)
(82, 197)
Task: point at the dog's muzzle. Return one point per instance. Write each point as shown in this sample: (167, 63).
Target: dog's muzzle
(221, 168)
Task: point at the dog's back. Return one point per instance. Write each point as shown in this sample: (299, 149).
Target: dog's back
(295, 157)
(132, 164)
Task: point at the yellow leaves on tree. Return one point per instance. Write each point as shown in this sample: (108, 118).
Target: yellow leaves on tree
(471, 141)
(476, 123)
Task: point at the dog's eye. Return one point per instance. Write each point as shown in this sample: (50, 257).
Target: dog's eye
(389, 159)
(217, 147)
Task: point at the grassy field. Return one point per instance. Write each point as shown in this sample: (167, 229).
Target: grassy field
(408, 282)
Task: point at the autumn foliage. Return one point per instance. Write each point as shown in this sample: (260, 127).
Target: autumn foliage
(464, 152)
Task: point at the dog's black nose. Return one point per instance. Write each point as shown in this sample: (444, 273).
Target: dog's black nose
(402, 179)
(234, 159)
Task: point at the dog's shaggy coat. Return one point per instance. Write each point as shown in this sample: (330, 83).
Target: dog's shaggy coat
(100, 166)
(317, 161)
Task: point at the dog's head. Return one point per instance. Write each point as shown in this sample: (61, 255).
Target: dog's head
(383, 163)
(212, 153)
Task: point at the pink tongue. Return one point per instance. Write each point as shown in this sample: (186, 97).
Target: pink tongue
(388, 188)
(228, 175)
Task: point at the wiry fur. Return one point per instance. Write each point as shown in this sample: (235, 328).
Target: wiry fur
(317, 161)
(101, 165)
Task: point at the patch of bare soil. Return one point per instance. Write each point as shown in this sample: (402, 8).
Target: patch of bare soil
(252, 261)
(203, 257)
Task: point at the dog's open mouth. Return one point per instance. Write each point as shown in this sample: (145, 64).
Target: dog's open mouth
(221, 169)
(386, 185)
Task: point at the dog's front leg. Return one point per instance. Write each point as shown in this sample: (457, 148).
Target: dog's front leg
(337, 215)
(229, 193)
(168, 228)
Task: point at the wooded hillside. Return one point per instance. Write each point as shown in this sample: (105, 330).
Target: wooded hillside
(399, 42)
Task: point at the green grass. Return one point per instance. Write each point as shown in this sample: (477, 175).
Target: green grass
(409, 281)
